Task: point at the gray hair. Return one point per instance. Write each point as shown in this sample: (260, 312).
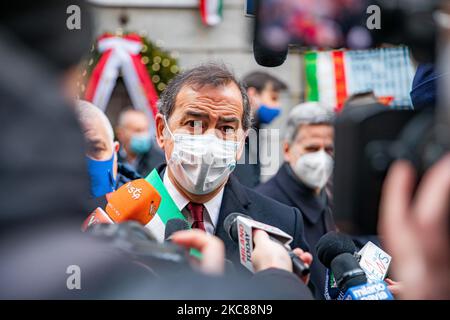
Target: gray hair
(86, 111)
(307, 113)
(211, 74)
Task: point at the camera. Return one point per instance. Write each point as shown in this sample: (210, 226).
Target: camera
(368, 139)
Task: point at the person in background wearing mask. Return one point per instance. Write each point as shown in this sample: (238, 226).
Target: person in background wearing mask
(138, 148)
(105, 173)
(301, 180)
(202, 119)
(263, 91)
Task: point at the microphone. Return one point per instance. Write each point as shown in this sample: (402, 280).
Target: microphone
(239, 228)
(97, 217)
(337, 252)
(137, 201)
(333, 244)
(347, 271)
(267, 57)
(174, 225)
(352, 280)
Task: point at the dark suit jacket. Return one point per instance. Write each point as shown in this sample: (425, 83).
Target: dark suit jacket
(286, 188)
(238, 198)
(248, 174)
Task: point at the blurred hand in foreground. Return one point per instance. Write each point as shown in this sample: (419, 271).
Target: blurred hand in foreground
(415, 229)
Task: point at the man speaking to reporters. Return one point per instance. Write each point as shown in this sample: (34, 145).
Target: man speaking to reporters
(201, 124)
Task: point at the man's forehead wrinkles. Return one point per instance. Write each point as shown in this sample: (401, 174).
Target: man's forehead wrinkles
(207, 103)
(214, 100)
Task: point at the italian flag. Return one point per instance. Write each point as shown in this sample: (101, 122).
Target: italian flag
(211, 12)
(332, 76)
(326, 78)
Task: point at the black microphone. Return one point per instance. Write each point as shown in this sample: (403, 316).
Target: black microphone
(347, 272)
(267, 57)
(230, 226)
(336, 252)
(174, 225)
(333, 244)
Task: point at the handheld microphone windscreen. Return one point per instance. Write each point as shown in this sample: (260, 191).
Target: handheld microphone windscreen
(97, 217)
(333, 244)
(347, 271)
(174, 225)
(230, 227)
(267, 57)
(136, 200)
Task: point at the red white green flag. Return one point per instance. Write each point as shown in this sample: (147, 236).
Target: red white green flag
(333, 76)
(211, 12)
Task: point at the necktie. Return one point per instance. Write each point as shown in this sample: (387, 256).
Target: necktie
(196, 210)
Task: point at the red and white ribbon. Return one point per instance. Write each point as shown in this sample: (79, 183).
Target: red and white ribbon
(122, 54)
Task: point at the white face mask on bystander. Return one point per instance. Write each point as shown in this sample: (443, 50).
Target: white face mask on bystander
(314, 169)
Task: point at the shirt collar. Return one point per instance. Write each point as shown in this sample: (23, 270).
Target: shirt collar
(212, 206)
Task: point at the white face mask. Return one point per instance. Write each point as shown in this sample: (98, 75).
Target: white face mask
(201, 163)
(314, 169)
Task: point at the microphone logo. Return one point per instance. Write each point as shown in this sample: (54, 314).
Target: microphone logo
(134, 191)
(153, 209)
(245, 244)
(91, 221)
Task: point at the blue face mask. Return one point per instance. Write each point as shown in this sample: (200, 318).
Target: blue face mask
(102, 176)
(140, 144)
(267, 114)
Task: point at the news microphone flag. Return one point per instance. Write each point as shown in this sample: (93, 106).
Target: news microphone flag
(374, 261)
(167, 208)
(245, 228)
(369, 291)
(136, 200)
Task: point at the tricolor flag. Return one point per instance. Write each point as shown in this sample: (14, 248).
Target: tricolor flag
(333, 76)
(167, 208)
(211, 12)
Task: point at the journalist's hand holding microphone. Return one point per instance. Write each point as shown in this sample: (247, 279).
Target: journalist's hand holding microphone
(267, 254)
